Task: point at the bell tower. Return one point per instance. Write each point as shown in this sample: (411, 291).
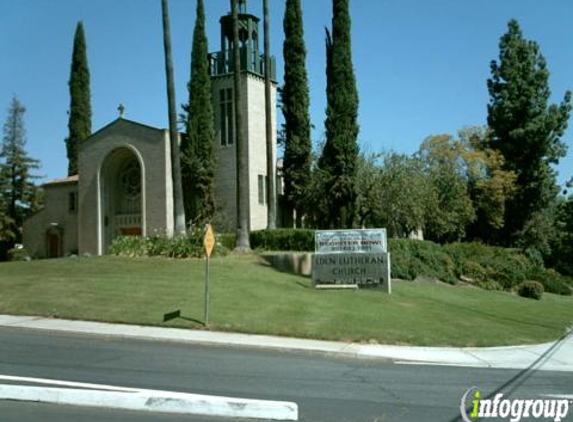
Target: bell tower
(253, 107)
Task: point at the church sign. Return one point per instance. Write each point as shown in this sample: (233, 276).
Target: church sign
(350, 241)
(351, 258)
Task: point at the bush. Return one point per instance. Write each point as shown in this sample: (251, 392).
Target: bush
(18, 254)
(490, 285)
(552, 281)
(227, 240)
(531, 289)
(414, 258)
(535, 257)
(189, 246)
(299, 240)
(473, 270)
(486, 264)
(130, 246)
(506, 275)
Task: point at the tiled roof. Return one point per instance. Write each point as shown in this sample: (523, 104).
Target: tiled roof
(70, 179)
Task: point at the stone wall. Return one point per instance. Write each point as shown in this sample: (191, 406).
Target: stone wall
(294, 263)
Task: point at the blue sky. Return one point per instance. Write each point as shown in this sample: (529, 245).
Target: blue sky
(421, 65)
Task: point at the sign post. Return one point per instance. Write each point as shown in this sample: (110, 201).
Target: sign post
(209, 243)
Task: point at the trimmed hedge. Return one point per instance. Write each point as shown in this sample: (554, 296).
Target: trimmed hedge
(299, 240)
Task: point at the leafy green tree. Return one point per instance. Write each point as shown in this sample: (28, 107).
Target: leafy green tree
(368, 189)
(562, 243)
(197, 157)
(80, 114)
(393, 194)
(539, 231)
(178, 206)
(295, 105)
(490, 185)
(340, 154)
(452, 210)
(18, 194)
(525, 128)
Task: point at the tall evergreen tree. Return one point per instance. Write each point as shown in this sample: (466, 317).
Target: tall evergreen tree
(80, 113)
(340, 153)
(178, 208)
(242, 242)
(18, 194)
(525, 128)
(198, 160)
(295, 98)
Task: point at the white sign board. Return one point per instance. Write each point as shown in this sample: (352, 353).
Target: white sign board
(351, 257)
(351, 241)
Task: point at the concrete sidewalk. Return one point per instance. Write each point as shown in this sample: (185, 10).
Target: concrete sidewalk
(556, 356)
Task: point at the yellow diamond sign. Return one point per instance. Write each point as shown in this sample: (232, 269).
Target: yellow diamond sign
(209, 241)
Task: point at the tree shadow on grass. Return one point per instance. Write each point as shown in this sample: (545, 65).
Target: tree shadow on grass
(192, 320)
(170, 316)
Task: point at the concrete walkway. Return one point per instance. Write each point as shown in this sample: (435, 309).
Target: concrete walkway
(556, 356)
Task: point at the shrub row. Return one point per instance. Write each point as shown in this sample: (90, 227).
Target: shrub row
(299, 240)
(189, 246)
(490, 267)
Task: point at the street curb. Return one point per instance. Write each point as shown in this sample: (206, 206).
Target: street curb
(556, 356)
(154, 401)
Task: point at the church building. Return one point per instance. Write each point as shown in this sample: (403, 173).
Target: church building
(124, 184)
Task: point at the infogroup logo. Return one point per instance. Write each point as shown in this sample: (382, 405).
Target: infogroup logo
(512, 409)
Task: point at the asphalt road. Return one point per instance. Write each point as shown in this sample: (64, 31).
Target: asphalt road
(326, 389)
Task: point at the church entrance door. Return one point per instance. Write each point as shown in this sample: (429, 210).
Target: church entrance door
(54, 242)
(121, 196)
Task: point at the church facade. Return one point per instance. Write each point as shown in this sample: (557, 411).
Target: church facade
(124, 184)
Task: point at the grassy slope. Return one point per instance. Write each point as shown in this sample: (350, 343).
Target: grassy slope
(248, 296)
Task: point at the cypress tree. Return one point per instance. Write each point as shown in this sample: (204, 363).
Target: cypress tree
(340, 154)
(80, 120)
(525, 129)
(295, 97)
(197, 147)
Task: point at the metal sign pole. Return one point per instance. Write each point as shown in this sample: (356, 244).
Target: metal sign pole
(207, 275)
(209, 243)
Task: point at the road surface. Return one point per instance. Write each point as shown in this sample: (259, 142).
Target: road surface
(325, 389)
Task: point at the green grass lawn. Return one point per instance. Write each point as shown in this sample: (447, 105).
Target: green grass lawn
(249, 296)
